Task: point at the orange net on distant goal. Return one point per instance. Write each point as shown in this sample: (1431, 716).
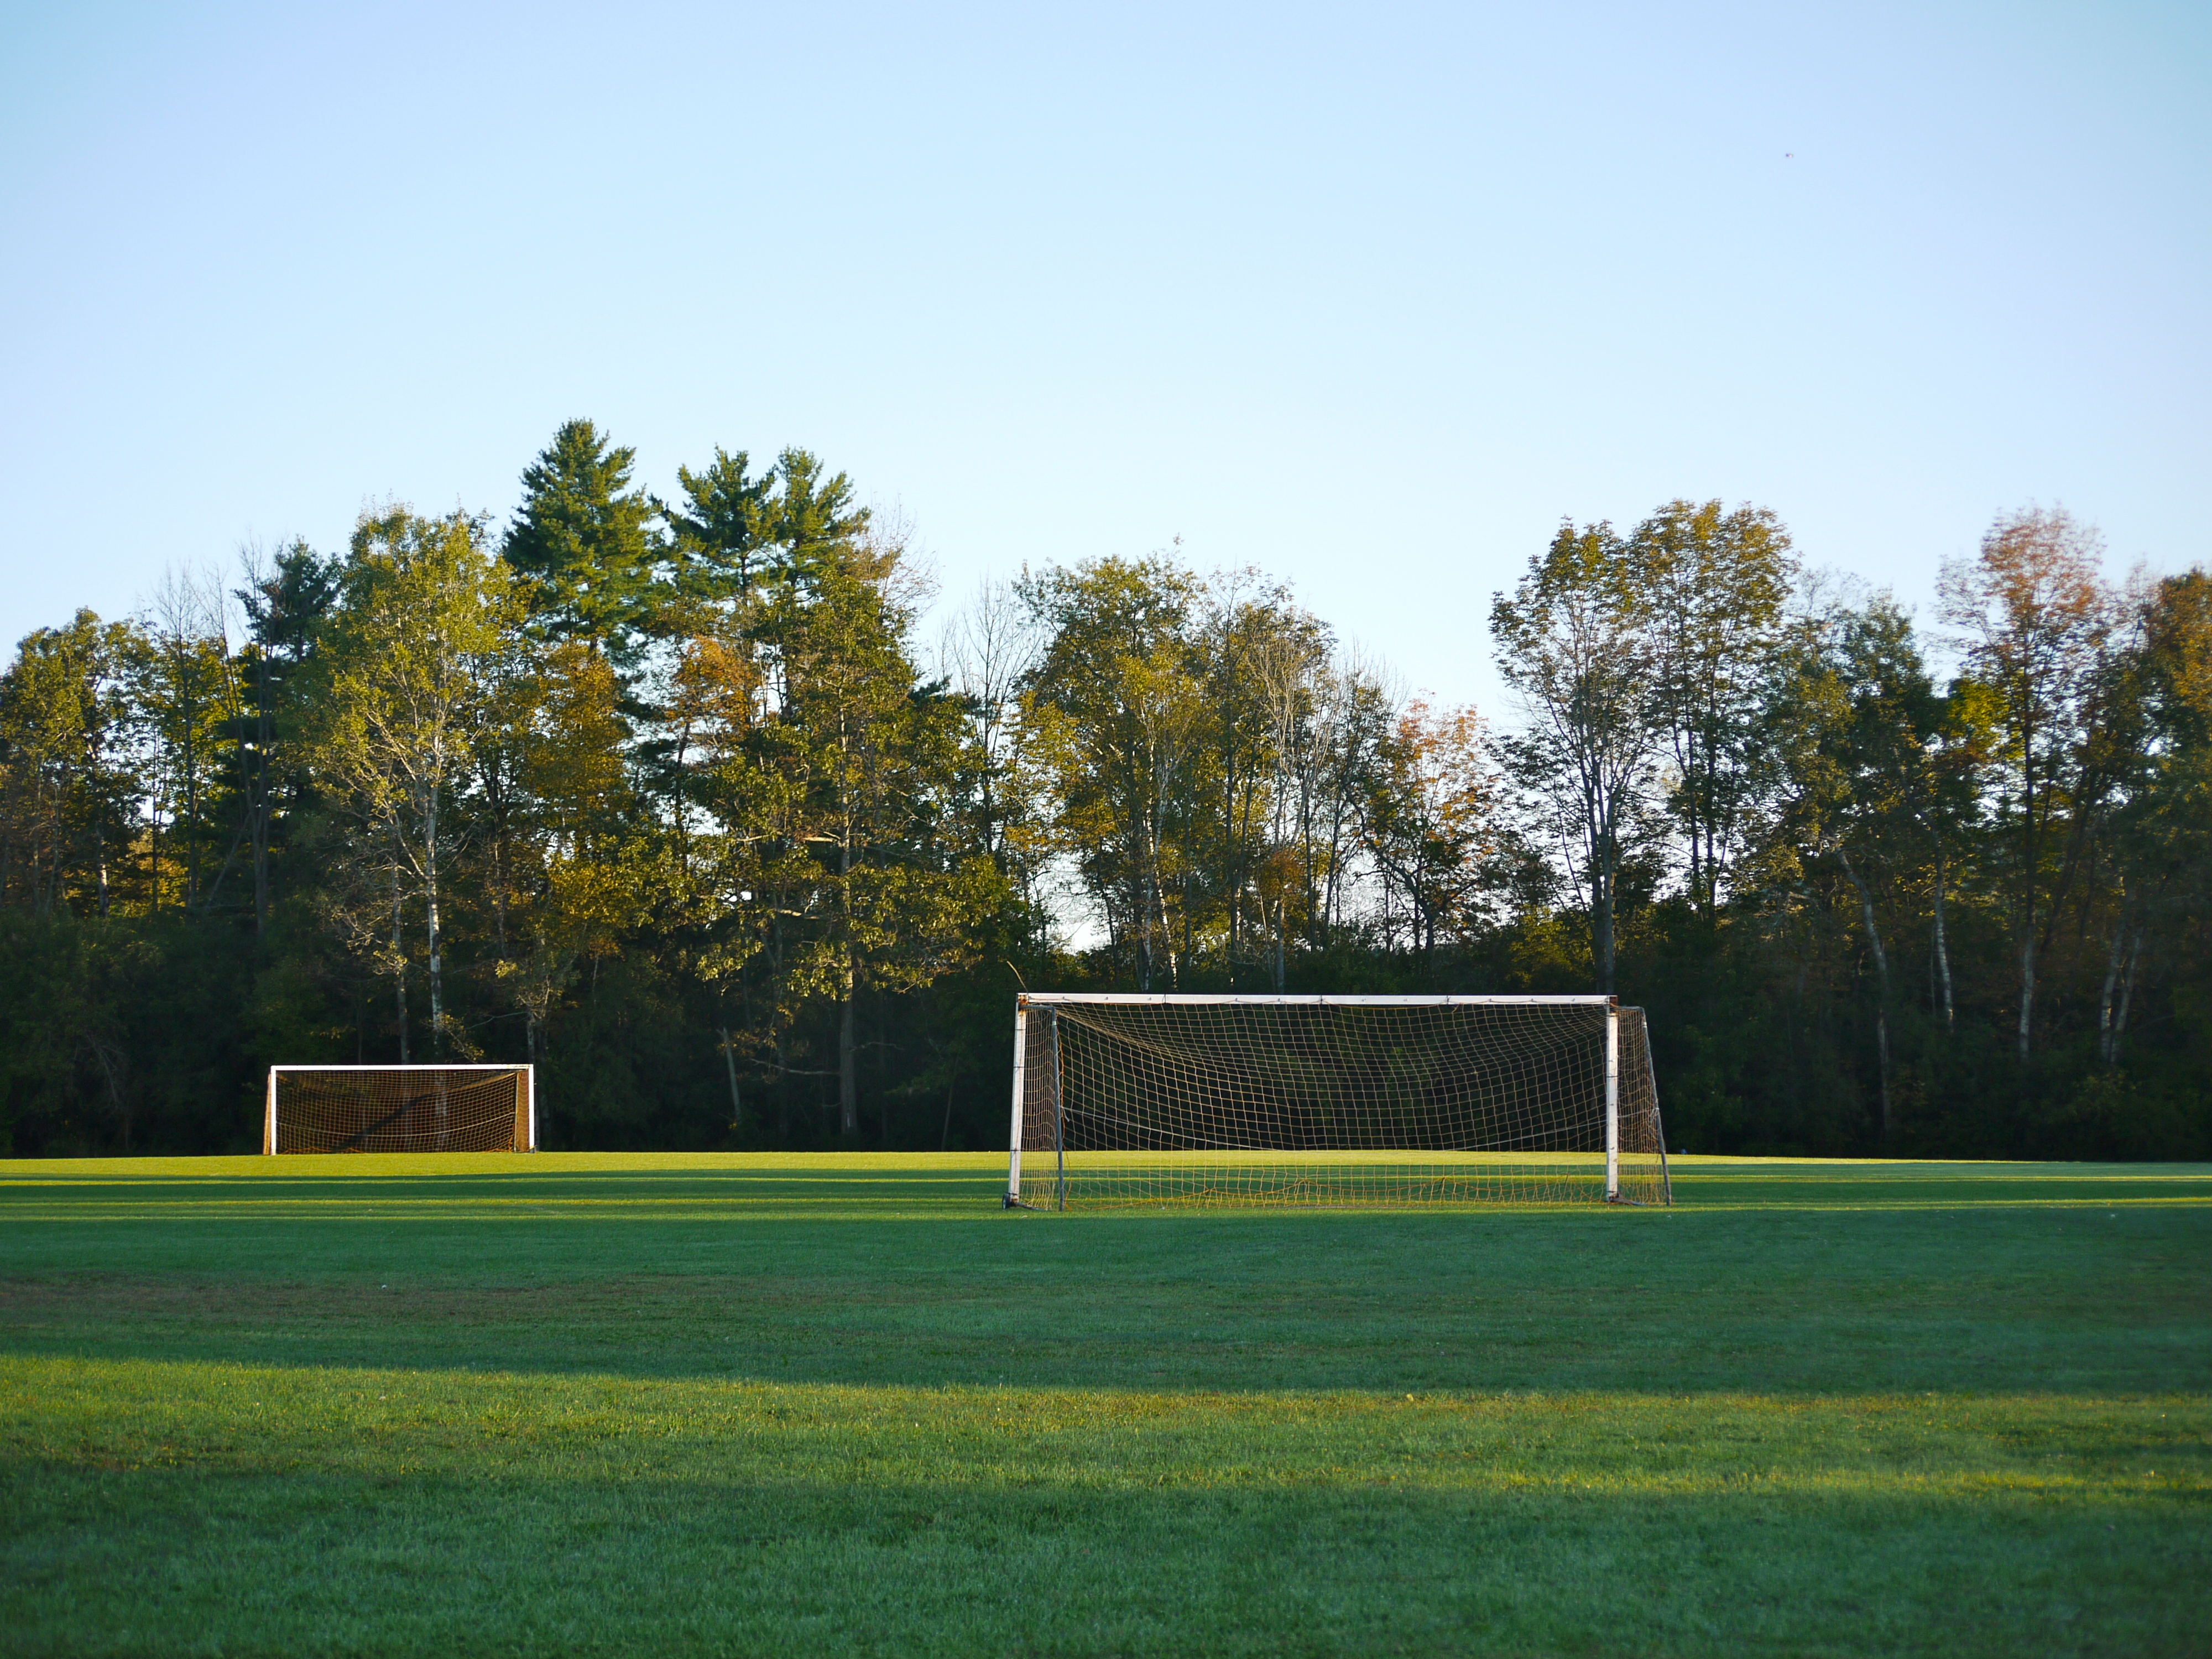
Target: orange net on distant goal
(400, 1109)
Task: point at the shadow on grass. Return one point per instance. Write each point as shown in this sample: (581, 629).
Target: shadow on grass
(2062, 1299)
(154, 1561)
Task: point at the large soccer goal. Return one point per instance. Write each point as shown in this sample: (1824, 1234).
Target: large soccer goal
(401, 1108)
(1331, 1101)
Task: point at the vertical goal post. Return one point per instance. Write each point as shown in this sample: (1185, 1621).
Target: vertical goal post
(1223, 1099)
(468, 1108)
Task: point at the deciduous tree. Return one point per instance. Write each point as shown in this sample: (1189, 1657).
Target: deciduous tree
(1714, 583)
(403, 699)
(1430, 823)
(1575, 641)
(2037, 619)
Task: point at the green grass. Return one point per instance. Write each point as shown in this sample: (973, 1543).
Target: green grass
(571, 1404)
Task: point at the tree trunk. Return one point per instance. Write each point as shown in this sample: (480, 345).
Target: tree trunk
(1233, 859)
(1601, 922)
(1160, 904)
(399, 962)
(192, 829)
(1942, 945)
(730, 1063)
(848, 1101)
(260, 811)
(775, 969)
(259, 802)
(2107, 1040)
(1881, 980)
(848, 1091)
(1697, 864)
(1140, 912)
(437, 963)
(1597, 821)
(782, 1097)
(2127, 991)
(2031, 852)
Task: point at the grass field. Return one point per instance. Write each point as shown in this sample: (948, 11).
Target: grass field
(578, 1404)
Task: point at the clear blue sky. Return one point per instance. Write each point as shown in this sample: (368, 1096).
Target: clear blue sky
(1369, 296)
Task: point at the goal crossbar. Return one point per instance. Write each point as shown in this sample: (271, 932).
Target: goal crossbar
(1222, 1098)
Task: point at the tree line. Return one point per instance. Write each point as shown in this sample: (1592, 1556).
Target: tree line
(673, 798)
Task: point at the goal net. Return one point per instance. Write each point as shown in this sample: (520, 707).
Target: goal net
(400, 1109)
(1331, 1101)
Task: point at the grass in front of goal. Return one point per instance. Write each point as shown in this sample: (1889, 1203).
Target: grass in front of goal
(574, 1403)
(1339, 1179)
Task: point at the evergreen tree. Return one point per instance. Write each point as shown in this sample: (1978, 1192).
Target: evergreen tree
(585, 541)
(285, 603)
(724, 535)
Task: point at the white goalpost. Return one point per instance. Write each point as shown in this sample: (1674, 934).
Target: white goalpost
(1331, 1101)
(400, 1109)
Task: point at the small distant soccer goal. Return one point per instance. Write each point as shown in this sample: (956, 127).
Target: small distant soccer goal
(1332, 1102)
(401, 1108)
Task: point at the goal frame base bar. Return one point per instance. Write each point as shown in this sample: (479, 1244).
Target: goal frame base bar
(1266, 999)
(1025, 1001)
(526, 1116)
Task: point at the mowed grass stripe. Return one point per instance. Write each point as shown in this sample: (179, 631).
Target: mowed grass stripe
(877, 1169)
(431, 1166)
(799, 1186)
(236, 1419)
(831, 1201)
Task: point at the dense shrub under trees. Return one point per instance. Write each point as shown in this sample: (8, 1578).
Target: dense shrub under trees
(669, 797)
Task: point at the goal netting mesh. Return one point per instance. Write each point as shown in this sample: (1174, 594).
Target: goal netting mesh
(1331, 1101)
(399, 1109)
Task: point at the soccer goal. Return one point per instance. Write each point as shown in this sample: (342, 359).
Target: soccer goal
(401, 1108)
(1332, 1102)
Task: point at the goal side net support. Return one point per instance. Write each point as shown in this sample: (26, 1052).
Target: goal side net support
(400, 1109)
(1325, 1101)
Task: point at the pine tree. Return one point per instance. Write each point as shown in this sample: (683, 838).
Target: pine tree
(585, 541)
